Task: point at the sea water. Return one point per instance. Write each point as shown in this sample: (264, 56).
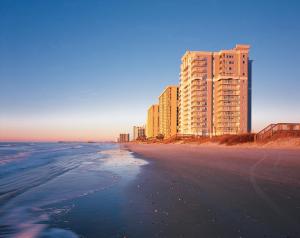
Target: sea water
(34, 177)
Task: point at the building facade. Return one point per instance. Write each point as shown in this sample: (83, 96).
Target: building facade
(168, 112)
(152, 126)
(195, 93)
(138, 132)
(215, 92)
(123, 138)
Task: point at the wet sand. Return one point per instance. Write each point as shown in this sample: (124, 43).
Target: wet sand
(213, 191)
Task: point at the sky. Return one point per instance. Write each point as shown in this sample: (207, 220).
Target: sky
(88, 70)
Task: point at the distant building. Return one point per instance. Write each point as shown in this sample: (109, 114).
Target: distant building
(215, 92)
(152, 127)
(168, 111)
(123, 138)
(138, 132)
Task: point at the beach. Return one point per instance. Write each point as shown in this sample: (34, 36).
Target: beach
(215, 191)
(155, 190)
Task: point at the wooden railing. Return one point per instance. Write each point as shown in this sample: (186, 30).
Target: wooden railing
(286, 129)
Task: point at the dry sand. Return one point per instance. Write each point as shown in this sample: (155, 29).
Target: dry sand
(215, 191)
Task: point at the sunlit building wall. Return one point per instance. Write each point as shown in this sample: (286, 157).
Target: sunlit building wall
(138, 132)
(152, 125)
(215, 92)
(195, 93)
(168, 111)
(231, 91)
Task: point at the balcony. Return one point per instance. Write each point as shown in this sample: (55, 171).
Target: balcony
(199, 76)
(228, 109)
(228, 103)
(197, 104)
(198, 100)
(233, 82)
(227, 87)
(199, 64)
(228, 98)
(199, 88)
(229, 93)
(199, 94)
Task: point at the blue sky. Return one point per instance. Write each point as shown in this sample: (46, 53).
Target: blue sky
(90, 69)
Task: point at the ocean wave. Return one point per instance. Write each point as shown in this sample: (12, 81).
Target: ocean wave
(29, 193)
(12, 158)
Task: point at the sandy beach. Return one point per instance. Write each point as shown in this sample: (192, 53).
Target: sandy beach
(215, 191)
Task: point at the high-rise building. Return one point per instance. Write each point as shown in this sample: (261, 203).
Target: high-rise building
(232, 94)
(215, 92)
(123, 138)
(152, 127)
(138, 132)
(168, 111)
(195, 93)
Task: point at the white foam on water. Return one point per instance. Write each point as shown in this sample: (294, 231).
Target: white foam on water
(28, 212)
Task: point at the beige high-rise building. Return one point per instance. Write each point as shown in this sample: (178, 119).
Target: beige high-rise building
(152, 126)
(138, 132)
(168, 111)
(195, 93)
(215, 92)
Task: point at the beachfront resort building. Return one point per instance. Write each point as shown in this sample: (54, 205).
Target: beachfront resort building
(215, 92)
(123, 138)
(195, 93)
(152, 125)
(138, 132)
(168, 110)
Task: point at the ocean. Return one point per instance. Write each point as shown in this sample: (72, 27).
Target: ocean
(63, 189)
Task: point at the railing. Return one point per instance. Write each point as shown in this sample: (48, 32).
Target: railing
(286, 129)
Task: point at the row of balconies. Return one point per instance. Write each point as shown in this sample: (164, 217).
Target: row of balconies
(199, 59)
(199, 126)
(228, 82)
(198, 64)
(231, 103)
(202, 109)
(228, 93)
(201, 84)
(227, 87)
(227, 122)
(228, 113)
(198, 70)
(228, 98)
(199, 88)
(199, 76)
(228, 130)
(202, 101)
(228, 109)
(199, 94)
(198, 100)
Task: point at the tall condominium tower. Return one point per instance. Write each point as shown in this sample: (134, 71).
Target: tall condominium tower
(152, 126)
(138, 132)
(168, 111)
(231, 91)
(195, 93)
(215, 92)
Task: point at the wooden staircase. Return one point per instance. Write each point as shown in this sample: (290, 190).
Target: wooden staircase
(278, 130)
